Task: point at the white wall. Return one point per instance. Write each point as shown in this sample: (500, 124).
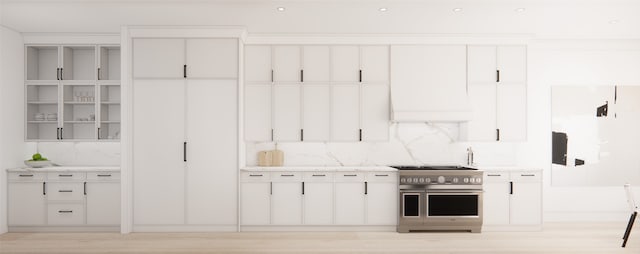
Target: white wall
(11, 109)
(76, 153)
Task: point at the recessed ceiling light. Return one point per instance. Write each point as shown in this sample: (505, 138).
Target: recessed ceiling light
(457, 9)
(280, 9)
(520, 10)
(613, 22)
(383, 9)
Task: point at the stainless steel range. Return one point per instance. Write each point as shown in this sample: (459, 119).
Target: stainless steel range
(440, 198)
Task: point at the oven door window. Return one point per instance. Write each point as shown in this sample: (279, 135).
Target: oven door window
(452, 205)
(411, 205)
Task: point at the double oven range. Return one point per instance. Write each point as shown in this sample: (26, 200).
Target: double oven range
(439, 198)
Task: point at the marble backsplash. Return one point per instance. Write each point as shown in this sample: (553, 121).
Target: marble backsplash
(409, 144)
(76, 153)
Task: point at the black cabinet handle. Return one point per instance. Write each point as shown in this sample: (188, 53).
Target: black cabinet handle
(271, 134)
(382, 175)
(286, 175)
(302, 188)
(366, 188)
(57, 73)
(65, 175)
(256, 175)
(44, 188)
(109, 175)
(494, 175)
(65, 211)
(62, 133)
(497, 134)
(350, 175)
(301, 134)
(184, 71)
(85, 188)
(184, 151)
(511, 188)
(271, 188)
(63, 191)
(271, 75)
(61, 73)
(497, 75)
(98, 132)
(319, 175)
(527, 175)
(301, 75)
(25, 175)
(360, 134)
(57, 133)
(360, 76)
(98, 73)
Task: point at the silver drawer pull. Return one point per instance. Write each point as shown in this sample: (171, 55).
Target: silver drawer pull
(527, 175)
(65, 211)
(494, 175)
(65, 175)
(319, 175)
(255, 175)
(25, 175)
(350, 175)
(65, 191)
(286, 175)
(382, 175)
(109, 175)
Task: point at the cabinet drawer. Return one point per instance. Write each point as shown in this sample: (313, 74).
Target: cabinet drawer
(286, 177)
(318, 177)
(349, 177)
(65, 214)
(103, 176)
(255, 177)
(496, 177)
(65, 191)
(26, 176)
(65, 176)
(386, 177)
(526, 176)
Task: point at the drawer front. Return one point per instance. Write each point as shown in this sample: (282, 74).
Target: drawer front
(103, 176)
(496, 177)
(286, 177)
(526, 176)
(318, 177)
(255, 177)
(65, 191)
(386, 177)
(350, 177)
(26, 176)
(65, 214)
(65, 176)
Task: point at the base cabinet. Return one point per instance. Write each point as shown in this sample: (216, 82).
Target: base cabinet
(27, 203)
(512, 200)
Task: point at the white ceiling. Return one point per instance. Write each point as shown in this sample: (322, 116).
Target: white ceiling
(542, 18)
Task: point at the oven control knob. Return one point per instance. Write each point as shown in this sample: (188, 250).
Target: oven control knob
(455, 180)
(408, 179)
(478, 180)
(472, 180)
(421, 179)
(465, 180)
(428, 180)
(440, 179)
(415, 180)
(402, 180)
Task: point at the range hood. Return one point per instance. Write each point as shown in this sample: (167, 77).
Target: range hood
(429, 83)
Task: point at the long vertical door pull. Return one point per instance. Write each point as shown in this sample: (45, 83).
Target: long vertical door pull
(302, 188)
(44, 188)
(184, 151)
(184, 71)
(510, 188)
(497, 75)
(366, 188)
(497, 134)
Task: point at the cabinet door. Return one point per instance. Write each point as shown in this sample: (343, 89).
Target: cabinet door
(512, 63)
(345, 63)
(481, 65)
(286, 203)
(257, 63)
(286, 64)
(375, 64)
(512, 112)
(158, 150)
(158, 58)
(375, 112)
(26, 204)
(349, 203)
(382, 203)
(316, 112)
(318, 203)
(286, 113)
(496, 199)
(212, 133)
(345, 112)
(103, 203)
(316, 64)
(526, 201)
(256, 199)
(482, 126)
(212, 58)
(257, 112)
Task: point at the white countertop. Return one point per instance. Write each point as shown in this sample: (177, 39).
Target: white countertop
(67, 169)
(506, 168)
(320, 168)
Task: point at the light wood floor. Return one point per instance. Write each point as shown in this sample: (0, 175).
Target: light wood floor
(555, 238)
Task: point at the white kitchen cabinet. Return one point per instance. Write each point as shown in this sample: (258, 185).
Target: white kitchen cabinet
(42, 63)
(212, 58)
(382, 198)
(318, 198)
(345, 113)
(512, 199)
(257, 112)
(158, 162)
(498, 93)
(26, 203)
(286, 199)
(103, 203)
(211, 166)
(316, 112)
(286, 64)
(286, 113)
(158, 58)
(255, 199)
(375, 112)
(316, 63)
(109, 62)
(350, 199)
(65, 214)
(257, 64)
(374, 62)
(345, 64)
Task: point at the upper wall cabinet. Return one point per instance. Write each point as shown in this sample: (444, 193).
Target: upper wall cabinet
(286, 64)
(212, 58)
(109, 64)
(61, 62)
(169, 64)
(345, 63)
(257, 64)
(374, 64)
(316, 64)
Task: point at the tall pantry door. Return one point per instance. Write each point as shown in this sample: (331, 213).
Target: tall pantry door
(158, 162)
(212, 127)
